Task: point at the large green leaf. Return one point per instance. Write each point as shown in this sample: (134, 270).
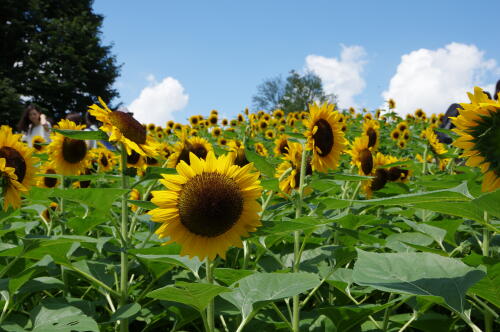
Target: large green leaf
(195, 295)
(83, 134)
(489, 203)
(263, 287)
(260, 163)
(56, 315)
(124, 312)
(348, 318)
(418, 274)
(489, 287)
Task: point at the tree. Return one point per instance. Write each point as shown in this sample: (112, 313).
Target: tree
(294, 94)
(51, 55)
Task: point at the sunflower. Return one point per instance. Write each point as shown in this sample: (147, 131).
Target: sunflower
(208, 206)
(436, 147)
(391, 104)
(420, 114)
(269, 134)
(134, 195)
(222, 141)
(402, 126)
(151, 127)
(368, 117)
(17, 169)
(170, 124)
(225, 122)
(46, 214)
(281, 145)
(194, 120)
(281, 128)
(371, 129)
(324, 137)
(479, 135)
(405, 135)
(293, 160)
(263, 124)
(197, 145)
(352, 110)
(402, 144)
(135, 160)
(216, 131)
(395, 134)
(261, 149)
(213, 119)
(38, 143)
(70, 156)
(125, 129)
(105, 159)
(278, 114)
(48, 182)
(362, 155)
(237, 153)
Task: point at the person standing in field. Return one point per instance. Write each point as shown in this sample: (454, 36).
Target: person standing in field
(33, 123)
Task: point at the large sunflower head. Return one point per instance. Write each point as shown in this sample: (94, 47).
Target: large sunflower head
(70, 156)
(371, 129)
(209, 205)
(478, 127)
(362, 156)
(324, 137)
(17, 168)
(124, 128)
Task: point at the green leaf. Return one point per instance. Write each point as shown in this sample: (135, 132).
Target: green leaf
(460, 209)
(263, 287)
(346, 318)
(417, 274)
(230, 276)
(83, 134)
(489, 287)
(40, 284)
(437, 234)
(55, 315)
(397, 241)
(195, 295)
(270, 184)
(489, 203)
(146, 205)
(124, 312)
(286, 227)
(260, 163)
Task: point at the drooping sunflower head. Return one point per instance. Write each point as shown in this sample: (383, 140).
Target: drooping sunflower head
(237, 153)
(436, 147)
(70, 156)
(362, 155)
(391, 104)
(208, 206)
(324, 137)
(478, 127)
(371, 129)
(124, 128)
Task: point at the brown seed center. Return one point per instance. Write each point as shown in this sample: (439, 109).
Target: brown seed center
(15, 160)
(50, 182)
(323, 138)
(372, 137)
(366, 159)
(73, 150)
(128, 126)
(210, 204)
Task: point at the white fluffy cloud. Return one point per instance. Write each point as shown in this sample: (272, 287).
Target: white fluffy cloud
(159, 100)
(341, 76)
(434, 79)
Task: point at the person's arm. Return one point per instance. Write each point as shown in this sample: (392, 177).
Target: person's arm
(44, 123)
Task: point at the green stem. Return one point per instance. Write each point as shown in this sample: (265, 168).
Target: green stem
(488, 317)
(424, 166)
(386, 314)
(124, 239)
(280, 314)
(210, 307)
(296, 243)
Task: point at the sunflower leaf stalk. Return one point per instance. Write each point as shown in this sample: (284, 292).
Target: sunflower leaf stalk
(296, 236)
(124, 239)
(210, 308)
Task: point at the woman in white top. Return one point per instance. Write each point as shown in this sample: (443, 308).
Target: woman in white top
(33, 123)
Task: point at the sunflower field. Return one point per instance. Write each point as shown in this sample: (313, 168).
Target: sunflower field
(317, 220)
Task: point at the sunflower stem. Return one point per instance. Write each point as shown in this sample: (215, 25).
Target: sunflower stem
(488, 318)
(296, 236)
(424, 166)
(124, 239)
(210, 307)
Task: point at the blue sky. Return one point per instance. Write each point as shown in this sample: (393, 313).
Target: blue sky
(194, 56)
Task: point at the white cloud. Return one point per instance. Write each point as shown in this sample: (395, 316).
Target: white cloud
(434, 79)
(341, 76)
(159, 100)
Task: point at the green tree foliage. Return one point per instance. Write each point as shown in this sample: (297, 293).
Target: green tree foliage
(51, 55)
(291, 95)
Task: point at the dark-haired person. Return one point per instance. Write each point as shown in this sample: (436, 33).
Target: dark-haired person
(33, 123)
(497, 90)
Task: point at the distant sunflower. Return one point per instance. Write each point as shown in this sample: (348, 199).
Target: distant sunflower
(17, 168)
(391, 104)
(237, 153)
(402, 144)
(125, 129)
(70, 156)
(436, 147)
(106, 159)
(395, 134)
(371, 129)
(402, 126)
(278, 114)
(135, 160)
(224, 122)
(134, 195)
(293, 160)
(194, 120)
(478, 127)
(324, 137)
(197, 145)
(281, 145)
(263, 124)
(47, 214)
(45, 181)
(222, 141)
(208, 206)
(39, 144)
(362, 155)
(261, 149)
(420, 114)
(269, 134)
(213, 119)
(216, 131)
